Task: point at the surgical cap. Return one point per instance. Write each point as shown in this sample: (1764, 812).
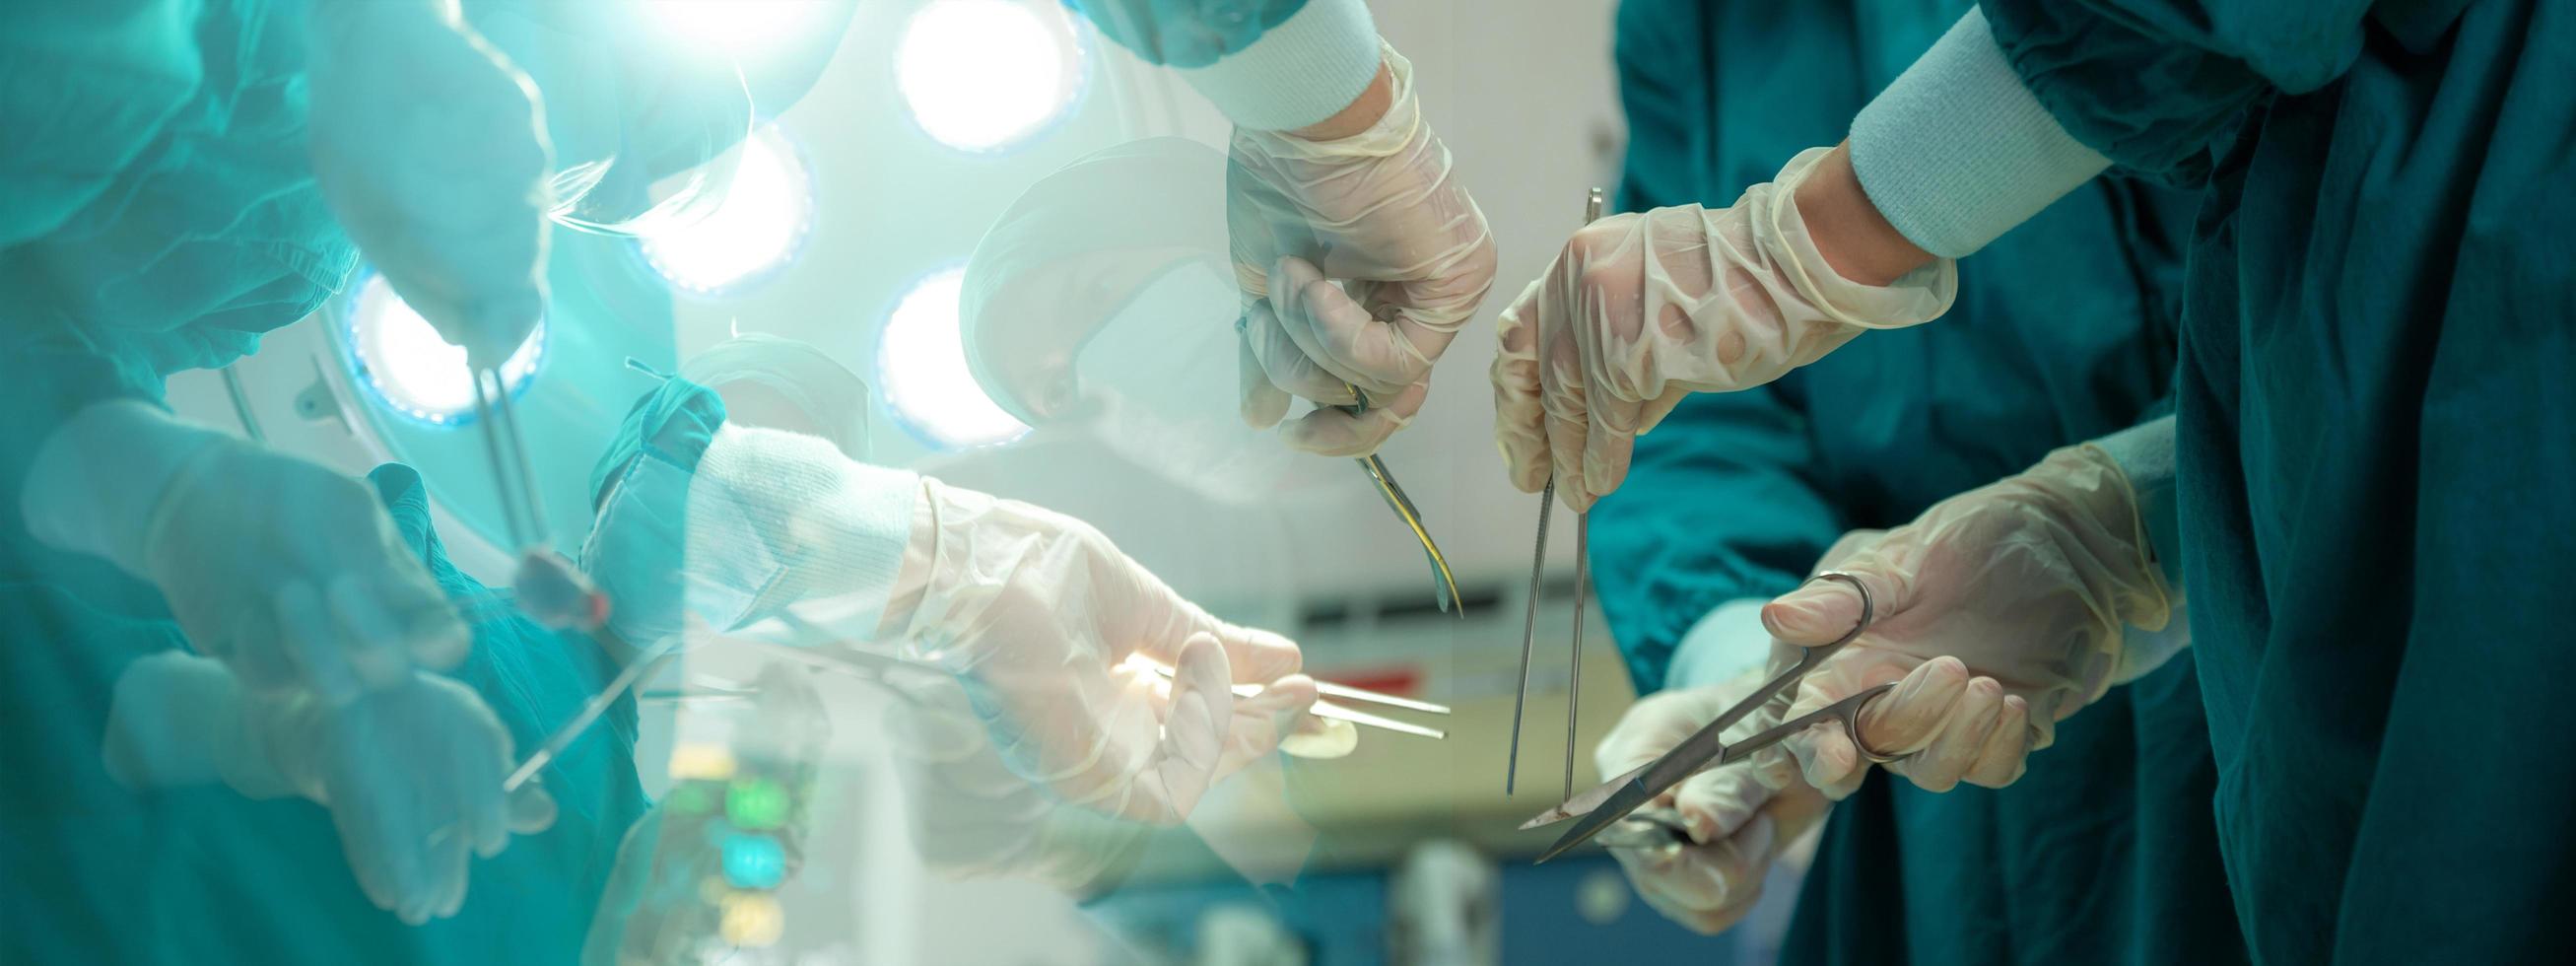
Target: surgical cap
(832, 397)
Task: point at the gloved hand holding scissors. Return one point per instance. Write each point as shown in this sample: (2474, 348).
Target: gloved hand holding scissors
(1736, 825)
(430, 146)
(1378, 210)
(2001, 610)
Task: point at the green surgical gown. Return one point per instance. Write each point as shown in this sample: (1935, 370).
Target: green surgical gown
(2104, 852)
(202, 875)
(2377, 419)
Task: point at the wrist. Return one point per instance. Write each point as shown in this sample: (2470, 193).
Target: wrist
(1856, 240)
(1362, 113)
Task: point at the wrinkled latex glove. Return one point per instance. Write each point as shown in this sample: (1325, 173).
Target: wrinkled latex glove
(430, 146)
(1640, 310)
(2001, 611)
(412, 775)
(1359, 259)
(293, 574)
(1037, 615)
(1737, 824)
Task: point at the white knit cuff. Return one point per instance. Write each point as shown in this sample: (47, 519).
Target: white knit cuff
(97, 479)
(1726, 642)
(785, 517)
(1957, 151)
(1299, 73)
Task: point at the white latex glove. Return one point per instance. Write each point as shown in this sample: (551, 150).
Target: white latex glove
(1037, 614)
(293, 574)
(1738, 825)
(1359, 259)
(1642, 309)
(2002, 611)
(412, 776)
(430, 146)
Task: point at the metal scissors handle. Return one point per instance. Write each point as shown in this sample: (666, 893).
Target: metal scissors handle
(1614, 800)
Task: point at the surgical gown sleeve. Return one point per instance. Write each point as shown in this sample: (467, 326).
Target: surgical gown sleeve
(1722, 503)
(1268, 64)
(2152, 83)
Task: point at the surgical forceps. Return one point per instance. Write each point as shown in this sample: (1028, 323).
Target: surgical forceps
(1617, 799)
(1529, 620)
(548, 587)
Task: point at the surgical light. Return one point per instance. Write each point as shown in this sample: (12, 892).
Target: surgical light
(982, 75)
(758, 227)
(921, 363)
(406, 366)
(734, 27)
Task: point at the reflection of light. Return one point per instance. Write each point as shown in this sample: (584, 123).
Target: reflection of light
(751, 919)
(754, 861)
(411, 368)
(734, 26)
(921, 362)
(981, 74)
(757, 227)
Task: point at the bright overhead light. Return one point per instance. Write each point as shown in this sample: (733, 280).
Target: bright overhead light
(759, 224)
(734, 27)
(981, 75)
(921, 363)
(408, 368)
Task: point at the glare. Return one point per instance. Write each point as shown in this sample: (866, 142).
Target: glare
(921, 362)
(411, 368)
(982, 74)
(767, 208)
(734, 27)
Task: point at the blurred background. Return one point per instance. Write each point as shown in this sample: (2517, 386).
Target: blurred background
(846, 221)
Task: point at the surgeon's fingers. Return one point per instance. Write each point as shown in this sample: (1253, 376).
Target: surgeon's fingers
(1318, 738)
(1262, 404)
(1330, 431)
(1520, 426)
(1607, 444)
(1194, 734)
(1344, 336)
(1285, 365)
(1263, 721)
(1905, 721)
(450, 863)
(316, 644)
(1823, 611)
(2007, 749)
(1717, 802)
(1958, 740)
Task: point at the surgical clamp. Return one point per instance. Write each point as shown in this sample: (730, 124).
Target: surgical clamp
(1529, 619)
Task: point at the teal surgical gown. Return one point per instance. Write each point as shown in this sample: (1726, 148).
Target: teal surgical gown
(2377, 419)
(202, 875)
(2102, 853)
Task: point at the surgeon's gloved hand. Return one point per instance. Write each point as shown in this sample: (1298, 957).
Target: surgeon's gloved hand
(430, 146)
(972, 816)
(412, 775)
(2001, 611)
(1640, 310)
(1038, 615)
(1737, 824)
(1359, 258)
(293, 574)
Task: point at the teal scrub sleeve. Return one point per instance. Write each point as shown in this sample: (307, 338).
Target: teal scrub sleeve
(2155, 84)
(1722, 502)
(1270, 65)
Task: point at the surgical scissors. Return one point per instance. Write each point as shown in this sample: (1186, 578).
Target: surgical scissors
(1444, 586)
(1529, 618)
(1612, 801)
